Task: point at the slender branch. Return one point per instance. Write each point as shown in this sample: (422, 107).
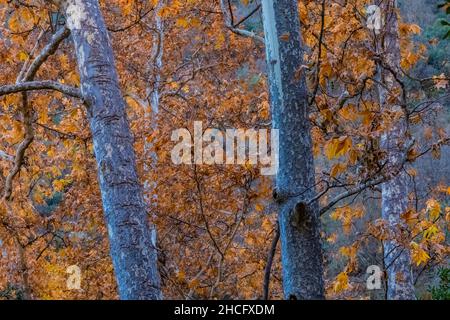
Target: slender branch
(237, 24)
(391, 172)
(23, 84)
(227, 13)
(202, 212)
(27, 114)
(132, 24)
(26, 63)
(5, 156)
(46, 52)
(268, 269)
(41, 85)
(352, 192)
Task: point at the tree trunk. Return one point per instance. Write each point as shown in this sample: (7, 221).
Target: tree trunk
(132, 238)
(155, 67)
(299, 224)
(397, 259)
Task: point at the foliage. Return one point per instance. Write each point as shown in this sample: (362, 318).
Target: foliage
(442, 291)
(445, 23)
(215, 223)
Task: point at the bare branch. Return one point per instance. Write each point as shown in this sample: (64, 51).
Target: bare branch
(26, 63)
(237, 24)
(41, 85)
(229, 24)
(389, 173)
(24, 84)
(5, 156)
(46, 52)
(268, 269)
(352, 192)
(27, 114)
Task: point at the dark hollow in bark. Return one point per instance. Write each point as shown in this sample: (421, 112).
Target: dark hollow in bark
(301, 251)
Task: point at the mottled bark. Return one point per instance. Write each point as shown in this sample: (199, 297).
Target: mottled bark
(155, 67)
(299, 224)
(395, 191)
(132, 238)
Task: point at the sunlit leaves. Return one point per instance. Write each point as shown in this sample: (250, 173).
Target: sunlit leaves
(341, 282)
(346, 215)
(418, 254)
(338, 147)
(434, 209)
(22, 19)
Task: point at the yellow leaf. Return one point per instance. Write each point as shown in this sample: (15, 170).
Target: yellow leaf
(338, 169)
(332, 238)
(14, 23)
(338, 147)
(181, 276)
(418, 255)
(259, 207)
(182, 22)
(349, 112)
(341, 282)
(266, 225)
(434, 209)
(73, 78)
(23, 56)
(430, 232)
(414, 28)
(220, 40)
(410, 217)
(348, 252)
(60, 184)
(195, 22)
(51, 152)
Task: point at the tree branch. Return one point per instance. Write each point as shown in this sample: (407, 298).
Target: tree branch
(46, 52)
(41, 85)
(23, 84)
(352, 192)
(27, 114)
(268, 269)
(229, 24)
(5, 156)
(389, 173)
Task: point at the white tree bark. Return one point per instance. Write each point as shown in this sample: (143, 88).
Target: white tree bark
(132, 238)
(301, 250)
(397, 259)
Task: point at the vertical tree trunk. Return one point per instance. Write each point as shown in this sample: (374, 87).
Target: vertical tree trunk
(395, 192)
(299, 224)
(155, 67)
(132, 238)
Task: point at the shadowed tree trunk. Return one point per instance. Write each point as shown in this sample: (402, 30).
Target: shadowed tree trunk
(397, 259)
(132, 238)
(301, 250)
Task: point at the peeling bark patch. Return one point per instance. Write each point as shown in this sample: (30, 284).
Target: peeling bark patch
(272, 47)
(76, 14)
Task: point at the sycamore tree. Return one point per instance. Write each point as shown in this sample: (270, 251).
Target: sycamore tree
(132, 239)
(92, 92)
